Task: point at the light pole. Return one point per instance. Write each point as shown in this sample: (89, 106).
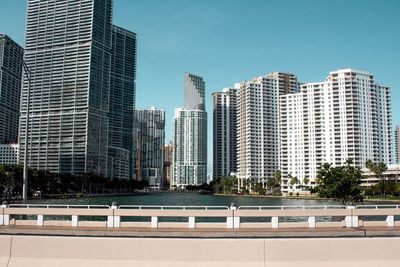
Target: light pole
(25, 174)
(25, 177)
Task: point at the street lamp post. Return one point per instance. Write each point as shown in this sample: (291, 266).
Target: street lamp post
(25, 174)
(25, 177)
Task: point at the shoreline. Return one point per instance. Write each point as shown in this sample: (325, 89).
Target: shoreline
(366, 200)
(378, 201)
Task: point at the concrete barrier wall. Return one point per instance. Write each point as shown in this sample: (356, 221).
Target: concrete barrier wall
(5, 246)
(101, 251)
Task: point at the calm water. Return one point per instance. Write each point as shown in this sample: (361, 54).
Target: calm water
(189, 199)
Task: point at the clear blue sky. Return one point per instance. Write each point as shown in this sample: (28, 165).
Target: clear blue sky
(227, 41)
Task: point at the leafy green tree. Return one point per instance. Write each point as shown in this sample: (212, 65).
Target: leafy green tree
(11, 178)
(378, 169)
(259, 189)
(340, 183)
(306, 181)
(271, 183)
(216, 186)
(229, 184)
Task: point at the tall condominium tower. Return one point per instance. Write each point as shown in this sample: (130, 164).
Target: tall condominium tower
(194, 92)
(190, 154)
(258, 124)
(224, 133)
(122, 103)
(190, 136)
(149, 146)
(397, 144)
(11, 55)
(69, 48)
(346, 117)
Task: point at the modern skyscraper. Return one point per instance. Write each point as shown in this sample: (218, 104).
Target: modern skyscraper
(224, 133)
(397, 144)
(190, 136)
(11, 55)
(194, 92)
(258, 124)
(122, 103)
(69, 46)
(149, 146)
(346, 117)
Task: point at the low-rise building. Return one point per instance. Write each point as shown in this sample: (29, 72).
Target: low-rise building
(392, 173)
(168, 167)
(9, 153)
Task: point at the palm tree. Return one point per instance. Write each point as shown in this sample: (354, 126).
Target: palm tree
(278, 176)
(378, 169)
(293, 180)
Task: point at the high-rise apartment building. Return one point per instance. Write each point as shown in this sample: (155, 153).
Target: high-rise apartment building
(397, 144)
(11, 55)
(190, 154)
(258, 142)
(122, 103)
(346, 117)
(190, 136)
(224, 133)
(149, 146)
(69, 50)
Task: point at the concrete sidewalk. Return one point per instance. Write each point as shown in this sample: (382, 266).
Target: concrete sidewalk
(100, 251)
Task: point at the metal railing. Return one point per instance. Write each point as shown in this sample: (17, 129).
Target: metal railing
(153, 216)
(49, 206)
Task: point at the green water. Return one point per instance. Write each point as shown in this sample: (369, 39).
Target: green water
(188, 199)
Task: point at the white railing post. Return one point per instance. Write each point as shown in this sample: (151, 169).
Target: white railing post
(154, 222)
(192, 222)
(229, 222)
(75, 221)
(5, 217)
(233, 222)
(390, 221)
(311, 222)
(112, 220)
(275, 222)
(236, 222)
(351, 221)
(117, 221)
(3, 206)
(40, 220)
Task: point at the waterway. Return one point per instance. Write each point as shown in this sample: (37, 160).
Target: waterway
(188, 199)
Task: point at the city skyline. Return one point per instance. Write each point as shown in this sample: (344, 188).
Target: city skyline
(312, 40)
